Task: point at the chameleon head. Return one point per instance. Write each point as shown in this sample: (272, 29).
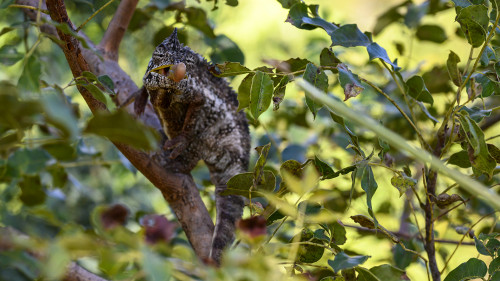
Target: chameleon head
(169, 65)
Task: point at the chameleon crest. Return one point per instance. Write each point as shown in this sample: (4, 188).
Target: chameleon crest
(198, 113)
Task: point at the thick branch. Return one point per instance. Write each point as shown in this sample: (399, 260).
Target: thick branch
(111, 40)
(178, 189)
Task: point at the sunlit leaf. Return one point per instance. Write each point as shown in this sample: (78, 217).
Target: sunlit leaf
(473, 268)
(242, 184)
(309, 253)
(279, 91)
(402, 183)
(318, 78)
(231, 69)
(349, 81)
(418, 90)
(460, 159)
(244, 92)
(474, 22)
(481, 160)
(365, 275)
(452, 65)
(387, 272)
(261, 93)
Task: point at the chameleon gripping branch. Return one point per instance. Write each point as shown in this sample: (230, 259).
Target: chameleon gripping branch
(177, 188)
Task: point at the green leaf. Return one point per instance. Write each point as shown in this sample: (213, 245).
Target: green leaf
(61, 151)
(29, 161)
(279, 91)
(231, 69)
(417, 90)
(324, 169)
(476, 113)
(367, 222)
(261, 93)
(368, 184)
(402, 183)
(96, 92)
(121, 127)
(318, 78)
(59, 175)
(431, 32)
(375, 51)
(415, 13)
(328, 58)
(59, 114)
(481, 160)
(299, 17)
(481, 248)
(487, 56)
(32, 192)
(338, 233)
(30, 77)
(197, 18)
(287, 4)
(349, 36)
(309, 253)
(474, 23)
(473, 268)
(155, 266)
(232, 3)
(261, 162)
(9, 55)
(343, 261)
(107, 82)
(452, 65)
(244, 92)
(388, 17)
(387, 272)
(91, 77)
(292, 65)
(365, 275)
(494, 266)
(460, 159)
(494, 152)
(349, 81)
(466, 3)
(225, 49)
(242, 184)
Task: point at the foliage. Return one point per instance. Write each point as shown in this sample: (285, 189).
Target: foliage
(339, 135)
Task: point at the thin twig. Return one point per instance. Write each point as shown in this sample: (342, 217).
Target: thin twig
(29, 7)
(461, 240)
(94, 14)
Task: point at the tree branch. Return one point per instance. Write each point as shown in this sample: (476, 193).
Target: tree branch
(111, 40)
(178, 189)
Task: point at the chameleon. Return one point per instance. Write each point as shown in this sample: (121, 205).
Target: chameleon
(198, 113)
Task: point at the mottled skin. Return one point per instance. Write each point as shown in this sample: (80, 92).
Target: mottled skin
(199, 116)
